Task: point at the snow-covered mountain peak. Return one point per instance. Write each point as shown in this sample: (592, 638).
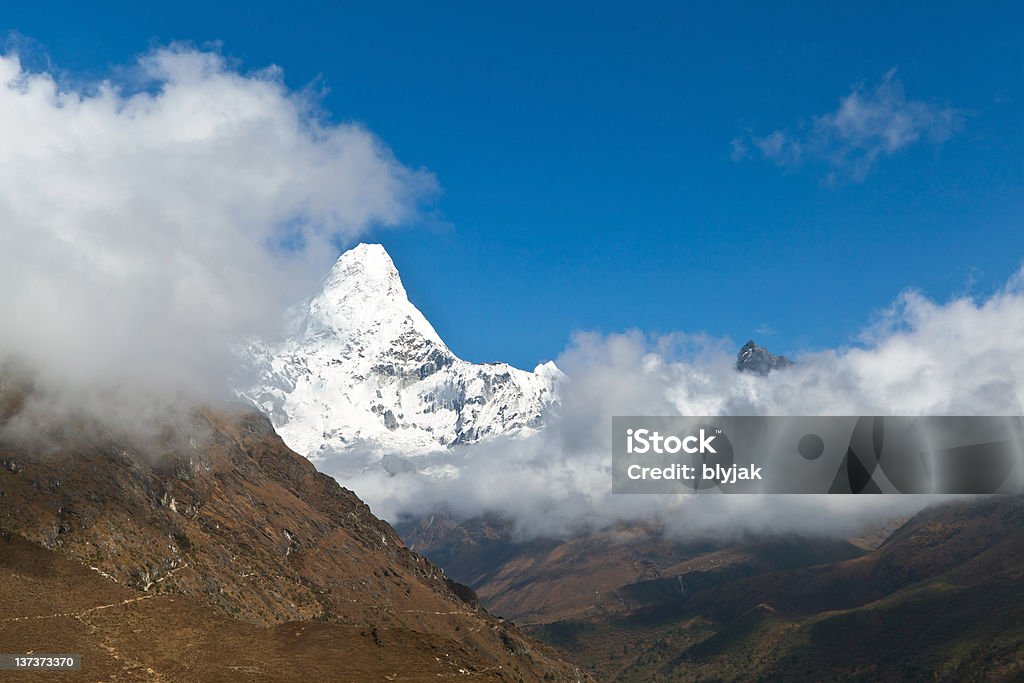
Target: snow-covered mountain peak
(363, 269)
(363, 293)
(364, 368)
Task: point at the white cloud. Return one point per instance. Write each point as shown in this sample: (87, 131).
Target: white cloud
(869, 123)
(963, 357)
(143, 228)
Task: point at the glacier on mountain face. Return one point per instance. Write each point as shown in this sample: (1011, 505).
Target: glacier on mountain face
(361, 367)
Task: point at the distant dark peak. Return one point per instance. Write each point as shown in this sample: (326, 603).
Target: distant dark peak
(759, 360)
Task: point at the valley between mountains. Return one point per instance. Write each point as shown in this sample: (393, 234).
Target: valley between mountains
(211, 548)
(636, 602)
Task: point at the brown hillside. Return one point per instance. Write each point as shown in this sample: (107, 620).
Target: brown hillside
(218, 510)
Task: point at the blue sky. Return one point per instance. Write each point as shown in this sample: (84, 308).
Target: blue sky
(667, 168)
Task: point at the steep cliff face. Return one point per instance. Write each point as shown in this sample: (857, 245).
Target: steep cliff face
(361, 366)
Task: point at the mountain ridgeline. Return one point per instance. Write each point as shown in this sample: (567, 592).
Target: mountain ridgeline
(361, 366)
(941, 598)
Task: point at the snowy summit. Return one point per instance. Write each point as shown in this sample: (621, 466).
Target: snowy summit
(363, 367)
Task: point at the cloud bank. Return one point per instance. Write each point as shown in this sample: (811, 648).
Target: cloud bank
(148, 223)
(962, 357)
(867, 125)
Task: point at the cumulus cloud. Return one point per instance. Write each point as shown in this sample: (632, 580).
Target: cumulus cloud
(962, 357)
(149, 221)
(868, 124)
